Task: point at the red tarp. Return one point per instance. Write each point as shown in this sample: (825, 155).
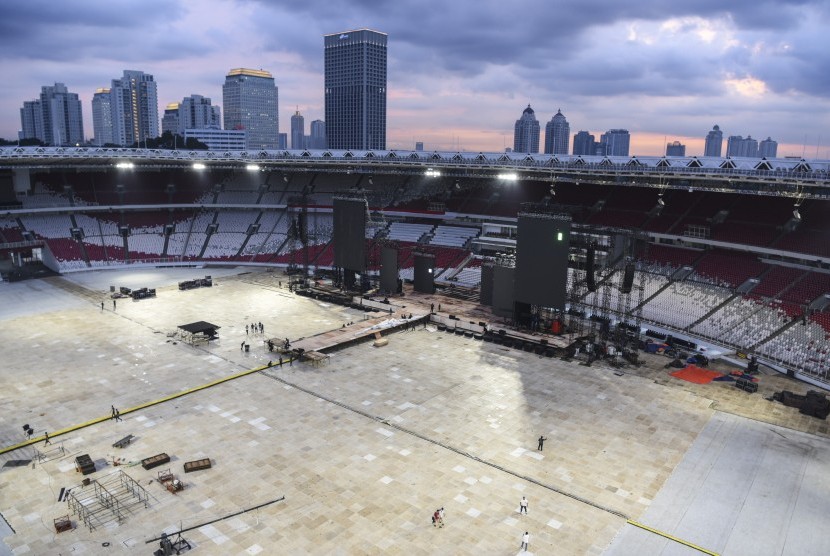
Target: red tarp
(693, 373)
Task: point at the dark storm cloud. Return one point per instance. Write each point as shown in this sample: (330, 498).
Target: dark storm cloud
(465, 38)
(74, 30)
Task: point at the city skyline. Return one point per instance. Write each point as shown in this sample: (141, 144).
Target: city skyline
(753, 68)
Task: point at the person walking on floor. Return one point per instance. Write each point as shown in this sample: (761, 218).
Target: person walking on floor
(46, 438)
(102, 306)
(541, 443)
(523, 506)
(117, 415)
(525, 541)
(246, 329)
(113, 305)
(113, 411)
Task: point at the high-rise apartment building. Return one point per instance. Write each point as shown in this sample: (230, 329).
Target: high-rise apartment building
(297, 131)
(768, 148)
(584, 144)
(714, 143)
(675, 148)
(318, 135)
(251, 102)
(526, 132)
(615, 142)
(133, 108)
(55, 118)
(738, 146)
(355, 89)
(102, 117)
(557, 134)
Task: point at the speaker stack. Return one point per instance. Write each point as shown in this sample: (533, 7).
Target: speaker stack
(628, 278)
(589, 267)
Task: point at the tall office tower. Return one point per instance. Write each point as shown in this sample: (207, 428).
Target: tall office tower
(251, 102)
(135, 111)
(56, 118)
(768, 148)
(557, 134)
(355, 90)
(526, 133)
(714, 143)
(584, 144)
(675, 148)
(318, 134)
(297, 131)
(170, 119)
(419, 145)
(282, 141)
(615, 142)
(102, 117)
(738, 146)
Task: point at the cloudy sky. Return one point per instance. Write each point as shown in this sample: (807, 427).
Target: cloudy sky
(460, 72)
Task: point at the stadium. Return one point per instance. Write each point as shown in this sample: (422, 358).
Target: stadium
(726, 260)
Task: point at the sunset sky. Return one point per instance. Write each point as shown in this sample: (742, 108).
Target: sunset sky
(460, 72)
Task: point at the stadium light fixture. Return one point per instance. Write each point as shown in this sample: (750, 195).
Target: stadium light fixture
(430, 173)
(198, 166)
(252, 167)
(511, 176)
(125, 165)
(796, 214)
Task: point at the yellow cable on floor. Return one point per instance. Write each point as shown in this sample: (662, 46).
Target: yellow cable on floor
(671, 537)
(60, 432)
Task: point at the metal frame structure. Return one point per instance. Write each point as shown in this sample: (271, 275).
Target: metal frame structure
(113, 498)
(799, 179)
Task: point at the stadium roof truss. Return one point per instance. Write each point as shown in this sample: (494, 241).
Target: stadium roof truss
(791, 177)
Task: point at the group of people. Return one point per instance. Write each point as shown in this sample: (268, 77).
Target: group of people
(254, 328)
(116, 415)
(438, 521)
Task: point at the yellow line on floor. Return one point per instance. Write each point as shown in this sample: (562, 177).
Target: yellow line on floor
(97, 420)
(671, 537)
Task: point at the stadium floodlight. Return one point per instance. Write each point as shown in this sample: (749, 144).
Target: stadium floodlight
(198, 166)
(511, 176)
(252, 167)
(430, 173)
(796, 214)
(125, 165)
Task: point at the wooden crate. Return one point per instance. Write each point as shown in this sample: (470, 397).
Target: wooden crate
(155, 461)
(197, 465)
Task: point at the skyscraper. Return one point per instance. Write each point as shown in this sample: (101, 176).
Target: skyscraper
(615, 142)
(738, 146)
(768, 148)
(675, 148)
(297, 131)
(251, 102)
(318, 134)
(714, 143)
(55, 118)
(526, 132)
(170, 119)
(585, 144)
(197, 112)
(557, 134)
(102, 117)
(355, 90)
(134, 108)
